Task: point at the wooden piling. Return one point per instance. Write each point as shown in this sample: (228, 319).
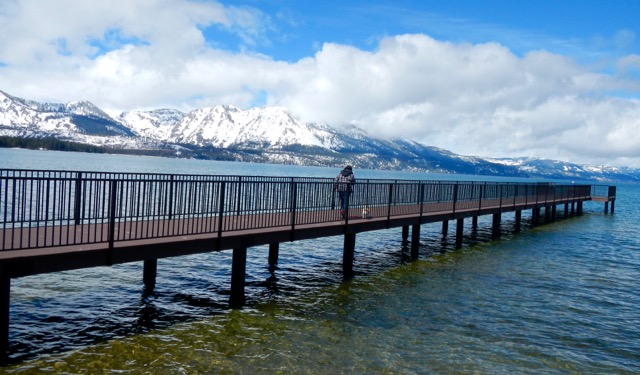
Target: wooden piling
(415, 241)
(348, 255)
(547, 214)
(274, 253)
(518, 220)
(238, 270)
(5, 303)
(459, 230)
(149, 272)
(405, 233)
(535, 216)
(495, 227)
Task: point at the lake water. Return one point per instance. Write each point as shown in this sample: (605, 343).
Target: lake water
(560, 298)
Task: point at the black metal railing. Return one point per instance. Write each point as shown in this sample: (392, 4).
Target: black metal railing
(58, 208)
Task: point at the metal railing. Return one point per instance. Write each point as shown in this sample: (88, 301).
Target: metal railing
(59, 208)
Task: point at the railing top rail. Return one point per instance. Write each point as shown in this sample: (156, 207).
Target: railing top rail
(146, 176)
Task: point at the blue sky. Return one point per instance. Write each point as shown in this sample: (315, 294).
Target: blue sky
(585, 30)
(554, 79)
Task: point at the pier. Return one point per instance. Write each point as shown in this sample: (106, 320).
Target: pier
(52, 221)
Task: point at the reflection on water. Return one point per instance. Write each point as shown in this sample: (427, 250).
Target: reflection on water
(557, 298)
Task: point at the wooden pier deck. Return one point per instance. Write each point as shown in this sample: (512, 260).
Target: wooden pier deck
(56, 221)
(59, 252)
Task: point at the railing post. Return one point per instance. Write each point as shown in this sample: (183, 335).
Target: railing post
(389, 203)
(78, 199)
(611, 196)
(239, 194)
(455, 196)
(171, 182)
(421, 199)
(546, 194)
(293, 203)
(112, 218)
(223, 187)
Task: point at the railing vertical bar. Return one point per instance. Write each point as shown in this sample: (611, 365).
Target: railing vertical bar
(294, 200)
(454, 195)
(46, 211)
(5, 192)
(77, 199)
(112, 212)
(221, 208)
(33, 211)
(389, 203)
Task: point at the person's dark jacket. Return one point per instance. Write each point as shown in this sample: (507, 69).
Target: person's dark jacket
(344, 181)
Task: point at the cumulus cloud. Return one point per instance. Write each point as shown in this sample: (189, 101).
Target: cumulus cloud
(473, 99)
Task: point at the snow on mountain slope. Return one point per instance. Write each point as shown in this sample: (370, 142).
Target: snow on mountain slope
(156, 124)
(228, 126)
(63, 120)
(21, 114)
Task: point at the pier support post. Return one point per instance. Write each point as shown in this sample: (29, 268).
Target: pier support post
(405, 233)
(579, 209)
(566, 210)
(445, 228)
(459, 229)
(5, 303)
(274, 252)
(547, 214)
(415, 241)
(474, 222)
(238, 269)
(535, 216)
(553, 212)
(606, 207)
(348, 255)
(518, 220)
(149, 273)
(573, 208)
(495, 227)
(613, 205)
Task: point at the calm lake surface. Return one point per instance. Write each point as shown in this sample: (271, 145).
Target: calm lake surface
(560, 298)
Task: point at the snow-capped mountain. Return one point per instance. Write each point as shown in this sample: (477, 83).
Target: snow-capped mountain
(268, 134)
(157, 124)
(554, 169)
(227, 126)
(20, 117)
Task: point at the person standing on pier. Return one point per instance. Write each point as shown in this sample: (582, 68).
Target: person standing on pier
(343, 184)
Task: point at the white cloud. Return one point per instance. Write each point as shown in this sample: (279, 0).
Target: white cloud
(473, 99)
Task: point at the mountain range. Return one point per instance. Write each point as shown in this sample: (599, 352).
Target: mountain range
(268, 135)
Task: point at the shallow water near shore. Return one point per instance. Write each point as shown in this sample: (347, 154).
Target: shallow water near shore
(557, 298)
